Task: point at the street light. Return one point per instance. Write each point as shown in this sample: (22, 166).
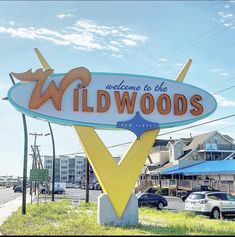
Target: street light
(53, 162)
(25, 155)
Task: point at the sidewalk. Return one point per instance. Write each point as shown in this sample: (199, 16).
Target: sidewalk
(8, 208)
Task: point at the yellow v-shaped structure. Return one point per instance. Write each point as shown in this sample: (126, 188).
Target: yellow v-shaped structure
(116, 180)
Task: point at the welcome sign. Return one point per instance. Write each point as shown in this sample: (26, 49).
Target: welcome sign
(109, 100)
(88, 100)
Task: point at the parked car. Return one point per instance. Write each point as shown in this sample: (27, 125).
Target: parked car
(77, 186)
(97, 186)
(213, 204)
(15, 185)
(18, 189)
(151, 200)
(59, 190)
(70, 185)
(43, 190)
(91, 186)
(197, 188)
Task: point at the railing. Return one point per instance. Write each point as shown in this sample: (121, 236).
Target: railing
(172, 182)
(168, 183)
(165, 183)
(155, 183)
(189, 184)
(185, 184)
(144, 186)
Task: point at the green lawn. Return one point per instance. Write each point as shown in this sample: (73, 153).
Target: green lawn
(61, 218)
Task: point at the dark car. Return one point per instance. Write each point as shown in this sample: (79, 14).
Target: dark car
(15, 185)
(59, 190)
(18, 189)
(198, 188)
(151, 200)
(43, 190)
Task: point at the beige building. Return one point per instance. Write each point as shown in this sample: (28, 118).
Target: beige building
(186, 152)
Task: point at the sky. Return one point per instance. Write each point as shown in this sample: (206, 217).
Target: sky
(154, 38)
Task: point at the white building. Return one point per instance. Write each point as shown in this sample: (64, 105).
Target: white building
(67, 169)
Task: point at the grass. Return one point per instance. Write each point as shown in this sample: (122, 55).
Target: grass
(61, 218)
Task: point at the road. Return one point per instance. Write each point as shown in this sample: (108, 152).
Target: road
(8, 194)
(174, 204)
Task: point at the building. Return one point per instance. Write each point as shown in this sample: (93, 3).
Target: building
(71, 169)
(67, 169)
(187, 152)
(208, 146)
(10, 180)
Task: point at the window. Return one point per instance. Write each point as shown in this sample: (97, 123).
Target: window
(222, 196)
(145, 196)
(197, 196)
(213, 196)
(230, 197)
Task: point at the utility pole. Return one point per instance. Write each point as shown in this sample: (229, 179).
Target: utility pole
(53, 164)
(87, 180)
(34, 163)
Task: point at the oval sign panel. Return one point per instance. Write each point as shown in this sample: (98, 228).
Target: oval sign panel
(109, 100)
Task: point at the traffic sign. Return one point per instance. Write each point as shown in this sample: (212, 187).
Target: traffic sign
(39, 175)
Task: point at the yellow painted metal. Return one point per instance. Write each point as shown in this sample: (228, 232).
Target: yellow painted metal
(42, 60)
(184, 71)
(117, 180)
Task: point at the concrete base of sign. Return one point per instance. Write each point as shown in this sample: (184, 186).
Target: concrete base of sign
(108, 216)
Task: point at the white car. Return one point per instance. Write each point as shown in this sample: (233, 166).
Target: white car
(213, 204)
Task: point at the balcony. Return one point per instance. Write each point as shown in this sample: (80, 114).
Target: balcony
(169, 183)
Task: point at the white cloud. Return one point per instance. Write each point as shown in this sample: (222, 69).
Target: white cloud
(226, 6)
(216, 70)
(178, 64)
(162, 60)
(62, 16)
(221, 72)
(129, 42)
(225, 74)
(82, 35)
(227, 17)
(224, 102)
(117, 55)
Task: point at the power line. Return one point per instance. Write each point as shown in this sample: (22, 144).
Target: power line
(190, 43)
(197, 125)
(211, 121)
(228, 88)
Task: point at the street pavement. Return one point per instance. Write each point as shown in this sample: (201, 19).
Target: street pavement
(8, 194)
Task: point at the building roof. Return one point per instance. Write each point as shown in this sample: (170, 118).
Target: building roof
(229, 138)
(197, 140)
(186, 140)
(207, 167)
(160, 142)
